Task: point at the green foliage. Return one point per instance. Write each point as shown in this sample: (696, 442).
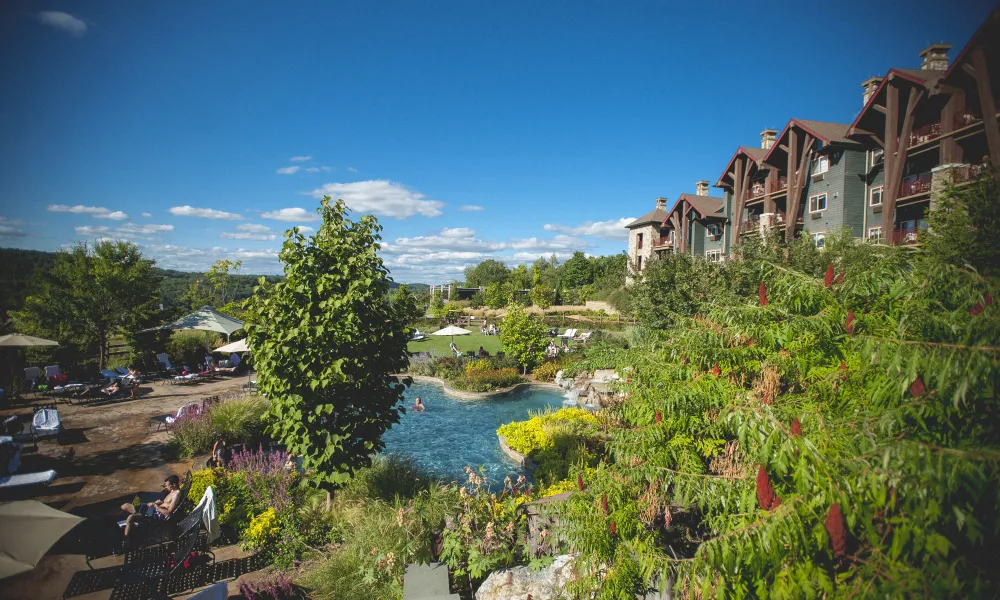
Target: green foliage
(499, 295)
(543, 296)
(965, 225)
(234, 420)
(437, 308)
(90, 295)
(523, 337)
(221, 277)
(673, 287)
(188, 348)
(488, 272)
(201, 480)
(520, 278)
(405, 302)
(578, 271)
(546, 371)
(261, 531)
(390, 477)
(487, 380)
(535, 434)
(893, 418)
(326, 337)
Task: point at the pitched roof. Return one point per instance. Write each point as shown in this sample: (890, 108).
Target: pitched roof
(826, 132)
(755, 154)
(707, 206)
(656, 215)
(918, 77)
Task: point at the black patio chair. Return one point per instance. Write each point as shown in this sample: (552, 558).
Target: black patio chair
(164, 576)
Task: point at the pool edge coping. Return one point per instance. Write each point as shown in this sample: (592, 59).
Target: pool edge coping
(463, 395)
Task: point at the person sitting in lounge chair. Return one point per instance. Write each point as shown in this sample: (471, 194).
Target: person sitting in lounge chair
(493, 329)
(234, 359)
(162, 509)
(483, 353)
(565, 347)
(455, 350)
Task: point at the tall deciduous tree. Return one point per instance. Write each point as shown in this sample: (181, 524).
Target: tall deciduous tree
(327, 342)
(578, 271)
(221, 277)
(92, 294)
(487, 272)
(523, 337)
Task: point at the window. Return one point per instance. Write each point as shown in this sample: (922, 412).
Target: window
(877, 156)
(714, 231)
(876, 196)
(638, 264)
(874, 234)
(821, 165)
(817, 203)
(638, 241)
(714, 255)
(820, 240)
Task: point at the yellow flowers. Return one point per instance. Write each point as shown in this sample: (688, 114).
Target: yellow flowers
(532, 435)
(262, 529)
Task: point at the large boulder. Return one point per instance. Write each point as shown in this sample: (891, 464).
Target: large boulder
(517, 583)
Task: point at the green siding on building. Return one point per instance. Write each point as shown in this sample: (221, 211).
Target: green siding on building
(877, 176)
(844, 187)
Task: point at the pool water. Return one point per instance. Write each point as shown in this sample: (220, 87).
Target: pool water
(450, 433)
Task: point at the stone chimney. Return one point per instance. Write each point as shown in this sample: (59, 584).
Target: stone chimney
(701, 187)
(661, 203)
(767, 138)
(870, 85)
(935, 57)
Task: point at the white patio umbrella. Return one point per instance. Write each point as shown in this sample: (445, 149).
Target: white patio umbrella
(237, 346)
(205, 318)
(29, 528)
(20, 340)
(452, 330)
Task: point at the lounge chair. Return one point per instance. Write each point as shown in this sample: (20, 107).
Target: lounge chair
(25, 479)
(51, 371)
(46, 423)
(569, 334)
(583, 337)
(417, 336)
(168, 368)
(186, 410)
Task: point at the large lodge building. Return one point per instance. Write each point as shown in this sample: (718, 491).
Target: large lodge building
(877, 176)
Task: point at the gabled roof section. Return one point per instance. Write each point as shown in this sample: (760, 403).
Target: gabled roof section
(657, 215)
(987, 31)
(824, 131)
(706, 206)
(917, 77)
(754, 154)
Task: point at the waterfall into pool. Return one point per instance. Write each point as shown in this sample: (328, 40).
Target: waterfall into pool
(452, 433)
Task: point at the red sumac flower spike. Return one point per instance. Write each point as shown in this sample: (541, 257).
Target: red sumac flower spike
(987, 299)
(604, 503)
(828, 280)
(613, 529)
(835, 529)
(668, 518)
(659, 417)
(762, 293)
(840, 277)
(750, 342)
(976, 310)
(765, 492)
(796, 427)
(849, 325)
(716, 370)
(684, 360)
(917, 388)
(579, 482)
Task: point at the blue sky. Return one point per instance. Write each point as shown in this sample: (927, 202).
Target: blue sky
(472, 129)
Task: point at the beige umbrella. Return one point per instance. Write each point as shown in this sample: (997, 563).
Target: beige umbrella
(452, 331)
(237, 346)
(29, 529)
(21, 340)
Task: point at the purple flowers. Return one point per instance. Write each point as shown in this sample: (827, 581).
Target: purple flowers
(268, 588)
(266, 475)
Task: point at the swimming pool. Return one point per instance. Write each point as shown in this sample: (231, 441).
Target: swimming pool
(451, 433)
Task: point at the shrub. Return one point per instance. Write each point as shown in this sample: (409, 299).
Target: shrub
(201, 480)
(239, 420)
(187, 349)
(265, 475)
(263, 528)
(487, 380)
(389, 477)
(536, 433)
(547, 371)
(275, 586)
(193, 434)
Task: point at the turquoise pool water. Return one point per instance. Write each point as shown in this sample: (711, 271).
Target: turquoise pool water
(451, 433)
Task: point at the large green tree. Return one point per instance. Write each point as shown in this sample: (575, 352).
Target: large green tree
(487, 272)
(578, 271)
(327, 341)
(523, 337)
(90, 295)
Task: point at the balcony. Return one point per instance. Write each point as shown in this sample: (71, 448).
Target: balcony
(905, 237)
(967, 173)
(931, 131)
(756, 191)
(664, 241)
(915, 184)
(777, 186)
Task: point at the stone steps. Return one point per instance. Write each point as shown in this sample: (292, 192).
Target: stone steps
(427, 582)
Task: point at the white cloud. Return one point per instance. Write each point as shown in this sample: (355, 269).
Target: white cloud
(253, 227)
(150, 229)
(147, 215)
(7, 232)
(114, 216)
(300, 158)
(290, 214)
(90, 230)
(457, 232)
(204, 213)
(245, 235)
(323, 169)
(252, 254)
(470, 207)
(305, 229)
(98, 212)
(352, 169)
(64, 21)
(381, 197)
(288, 170)
(613, 229)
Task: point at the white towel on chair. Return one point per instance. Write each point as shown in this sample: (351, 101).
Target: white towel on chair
(209, 516)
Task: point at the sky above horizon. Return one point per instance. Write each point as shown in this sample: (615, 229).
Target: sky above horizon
(471, 129)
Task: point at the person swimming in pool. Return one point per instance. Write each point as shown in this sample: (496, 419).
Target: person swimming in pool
(418, 405)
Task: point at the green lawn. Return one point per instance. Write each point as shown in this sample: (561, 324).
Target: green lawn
(438, 346)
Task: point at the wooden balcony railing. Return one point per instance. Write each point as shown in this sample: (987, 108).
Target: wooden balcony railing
(915, 184)
(905, 237)
(926, 133)
(777, 186)
(967, 173)
(663, 240)
(756, 191)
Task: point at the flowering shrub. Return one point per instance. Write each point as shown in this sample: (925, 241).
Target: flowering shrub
(265, 475)
(273, 587)
(547, 371)
(531, 435)
(484, 535)
(235, 420)
(487, 380)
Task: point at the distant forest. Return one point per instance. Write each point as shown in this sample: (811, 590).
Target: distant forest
(20, 268)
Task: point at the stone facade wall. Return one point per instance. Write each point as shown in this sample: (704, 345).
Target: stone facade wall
(649, 233)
